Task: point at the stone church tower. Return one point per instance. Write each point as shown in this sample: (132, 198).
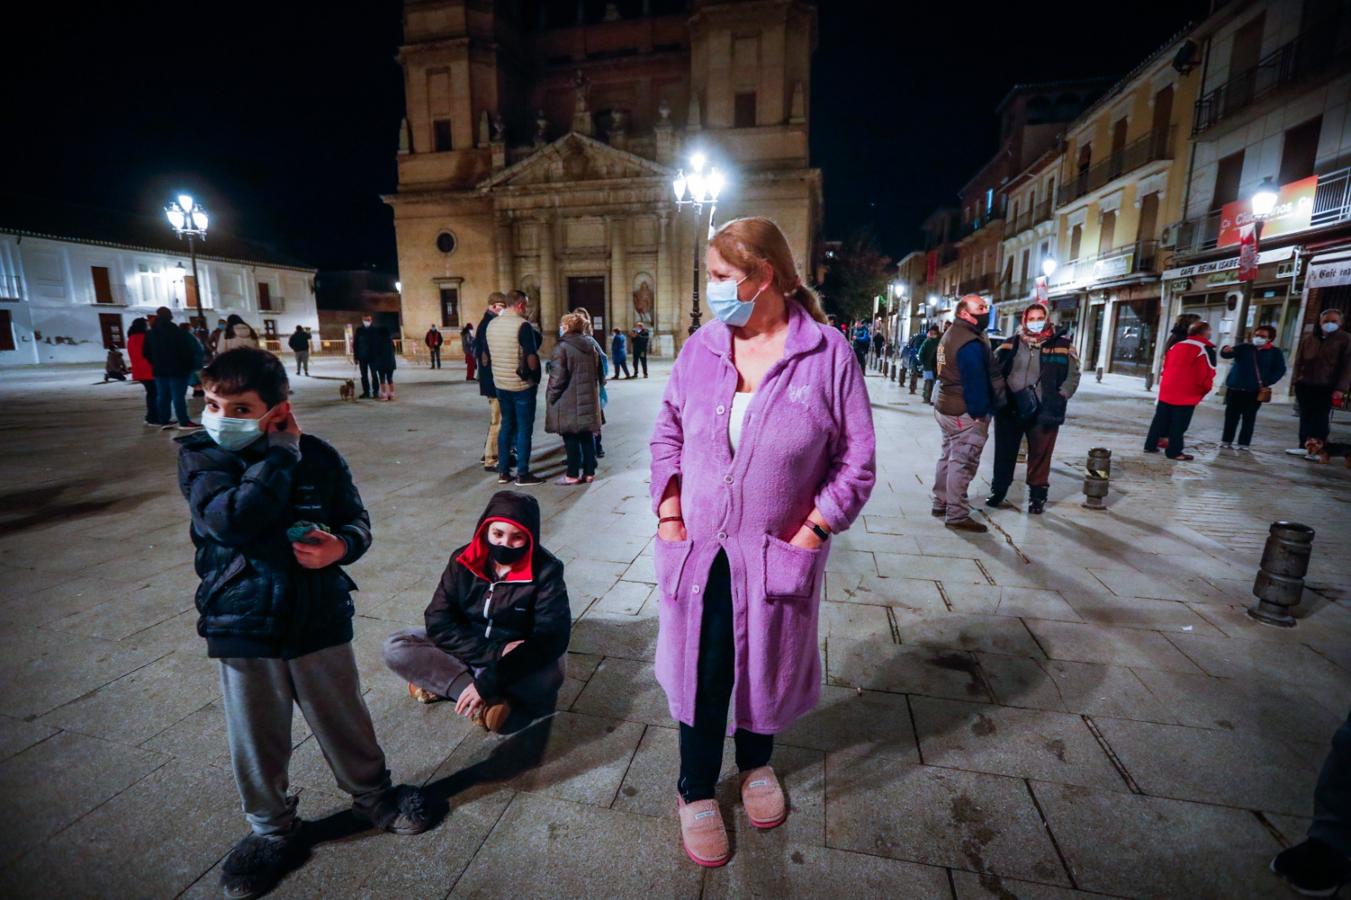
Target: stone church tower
(541, 138)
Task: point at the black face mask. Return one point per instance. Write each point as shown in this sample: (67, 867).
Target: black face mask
(982, 321)
(506, 556)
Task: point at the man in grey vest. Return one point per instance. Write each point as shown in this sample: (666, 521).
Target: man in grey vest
(513, 347)
(970, 390)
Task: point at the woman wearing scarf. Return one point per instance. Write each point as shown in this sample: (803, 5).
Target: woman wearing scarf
(1041, 369)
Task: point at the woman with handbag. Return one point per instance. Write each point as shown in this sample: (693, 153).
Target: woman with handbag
(1257, 366)
(1041, 372)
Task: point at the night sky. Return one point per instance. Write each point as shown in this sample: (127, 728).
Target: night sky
(283, 117)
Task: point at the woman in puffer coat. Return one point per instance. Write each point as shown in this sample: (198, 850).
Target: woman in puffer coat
(238, 333)
(573, 409)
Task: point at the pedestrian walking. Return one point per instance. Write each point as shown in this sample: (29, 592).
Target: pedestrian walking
(1188, 375)
(274, 515)
(928, 362)
(641, 339)
(763, 448)
(141, 370)
(238, 333)
(1322, 378)
(170, 352)
(619, 353)
(1320, 864)
(970, 389)
(861, 343)
(879, 345)
(498, 625)
(384, 359)
(572, 408)
(434, 340)
(300, 345)
(1257, 366)
(497, 301)
(1040, 368)
(513, 351)
(364, 352)
(467, 348)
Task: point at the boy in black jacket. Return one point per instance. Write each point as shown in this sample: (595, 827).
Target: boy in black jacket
(274, 514)
(498, 624)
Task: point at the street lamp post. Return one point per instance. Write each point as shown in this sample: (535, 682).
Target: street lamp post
(189, 219)
(701, 188)
(1263, 205)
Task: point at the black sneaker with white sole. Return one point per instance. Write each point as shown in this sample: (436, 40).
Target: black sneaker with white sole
(528, 480)
(504, 478)
(1313, 868)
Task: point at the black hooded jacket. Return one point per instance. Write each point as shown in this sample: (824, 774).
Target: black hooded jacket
(473, 616)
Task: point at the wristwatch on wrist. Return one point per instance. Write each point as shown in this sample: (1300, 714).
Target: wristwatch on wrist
(820, 532)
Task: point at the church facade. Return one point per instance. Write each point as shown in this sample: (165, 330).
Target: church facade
(541, 140)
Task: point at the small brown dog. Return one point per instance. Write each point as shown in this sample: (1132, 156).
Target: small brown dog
(348, 391)
(1325, 450)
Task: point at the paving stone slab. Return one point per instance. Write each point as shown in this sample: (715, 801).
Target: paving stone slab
(955, 631)
(624, 689)
(1233, 704)
(1108, 645)
(1082, 688)
(41, 670)
(616, 635)
(931, 568)
(986, 823)
(625, 598)
(994, 600)
(902, 593)
(770, 869)
(933, 672)
(545, 846)
(971, 886)
(854, 721)
(17, 735)
(1157, 587)
(1139, 612)
(1150, 847)
(1265, 772)
(1023, 743)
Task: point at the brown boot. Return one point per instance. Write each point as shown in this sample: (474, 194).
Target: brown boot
(492, 718)
(970, 525)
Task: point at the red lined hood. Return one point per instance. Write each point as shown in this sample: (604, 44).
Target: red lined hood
(514, 508)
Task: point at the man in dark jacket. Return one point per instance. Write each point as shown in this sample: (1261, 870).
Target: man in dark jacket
(1322, 377)
(498, 624)
(641, 339)
(300, 344)
(928, 362)
(1041, 373)
(366, 352)
(970, 388)
(274, 514)
(434, 340)
(173, 358)
(497, 301)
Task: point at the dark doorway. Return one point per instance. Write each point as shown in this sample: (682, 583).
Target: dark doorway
(111, 326)
(589, 291)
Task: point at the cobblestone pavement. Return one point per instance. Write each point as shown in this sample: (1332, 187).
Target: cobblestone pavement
(1071, 704)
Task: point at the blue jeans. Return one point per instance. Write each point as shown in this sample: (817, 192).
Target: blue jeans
(172, 388)
(518, 424)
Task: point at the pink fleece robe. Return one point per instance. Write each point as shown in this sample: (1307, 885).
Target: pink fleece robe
(807, 442)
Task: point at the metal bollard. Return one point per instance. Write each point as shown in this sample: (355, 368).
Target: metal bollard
(1280, 579)
(1097, 478)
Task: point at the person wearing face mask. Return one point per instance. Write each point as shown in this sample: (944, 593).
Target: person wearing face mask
(1322, 378)
(1257, 366)
(763, 448)
(365, 351)
(274, 516)
(498, 625)
(1188, 375)
(970, 389)
(1041, 374)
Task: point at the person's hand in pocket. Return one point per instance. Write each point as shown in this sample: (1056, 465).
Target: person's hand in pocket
(672, 531)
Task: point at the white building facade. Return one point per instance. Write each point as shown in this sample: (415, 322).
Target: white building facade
(68, 300)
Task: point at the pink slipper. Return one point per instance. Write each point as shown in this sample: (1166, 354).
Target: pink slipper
(564, 479)
(763, 798)
(702, 833)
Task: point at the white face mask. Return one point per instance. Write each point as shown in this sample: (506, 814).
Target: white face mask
(230, 433)
(1036, 326)
(1259, 342)
(1329, 327)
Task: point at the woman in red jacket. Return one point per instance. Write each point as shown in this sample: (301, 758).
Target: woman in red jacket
(1188, 375)
(140, 369)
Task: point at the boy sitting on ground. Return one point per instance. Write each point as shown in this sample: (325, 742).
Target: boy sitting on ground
(498, 624)
(274, 514)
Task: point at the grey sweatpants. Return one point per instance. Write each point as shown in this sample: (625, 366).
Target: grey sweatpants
(963, 440)
(258, 694)
(414, 657)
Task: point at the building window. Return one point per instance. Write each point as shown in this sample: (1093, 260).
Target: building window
(264, 296)
(445, 242)
(450, 307)
(1300, 151)
(6, 331)
(1107, 232)
(103, 286)
(1022, 279)
(1228, 175)
(440, 135)
(989, 200)
(1076, 237)
(743, 115)
(270, 328)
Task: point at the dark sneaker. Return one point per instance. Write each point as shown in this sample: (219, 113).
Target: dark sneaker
(504, 478)
(150, 424)
(995, 500)
(1312, 868)
(258, 862)
(492, 468)
(188, 426)
(168, 426)
(528, 480)
(970, 525)
(402, 810)
(938, 512)
(1151, 449)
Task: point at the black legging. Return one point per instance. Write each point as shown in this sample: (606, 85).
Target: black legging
(701, 745)
(1240, 407)
(151, 407)
(368, 377)
(581, 454)
(1170, 421)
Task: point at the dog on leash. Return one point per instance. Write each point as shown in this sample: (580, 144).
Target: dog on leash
(348, 391)
(1323, 450)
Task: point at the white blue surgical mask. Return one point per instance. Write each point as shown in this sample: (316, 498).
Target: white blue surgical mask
(1036, 326)
(1329, 327)
(231, 434)
(1259, 342)
(724, 303)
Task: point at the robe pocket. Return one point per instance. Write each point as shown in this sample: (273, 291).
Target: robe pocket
(668, 558)
(790, 572)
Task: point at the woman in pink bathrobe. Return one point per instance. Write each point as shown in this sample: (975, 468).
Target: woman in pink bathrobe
(763, 448)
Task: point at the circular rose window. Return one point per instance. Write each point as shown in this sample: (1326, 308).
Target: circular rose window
(445, 242)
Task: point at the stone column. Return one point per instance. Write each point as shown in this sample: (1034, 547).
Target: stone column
(506, 276)
(662, 314)
(548, 287)
(621, 305)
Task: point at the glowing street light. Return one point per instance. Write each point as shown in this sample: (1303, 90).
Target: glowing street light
(1048, 266)
(694, 190)
(189, 220)
(1264, 201)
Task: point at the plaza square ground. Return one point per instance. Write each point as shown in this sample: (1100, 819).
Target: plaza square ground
(1074, 704)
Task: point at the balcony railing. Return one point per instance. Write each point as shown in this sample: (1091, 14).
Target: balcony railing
(1331, 205)
(1027, 218)
(976, 283)
(1154, 146)
(11, 288)
(1313, 52)
(969, 228)
(1129, 259)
